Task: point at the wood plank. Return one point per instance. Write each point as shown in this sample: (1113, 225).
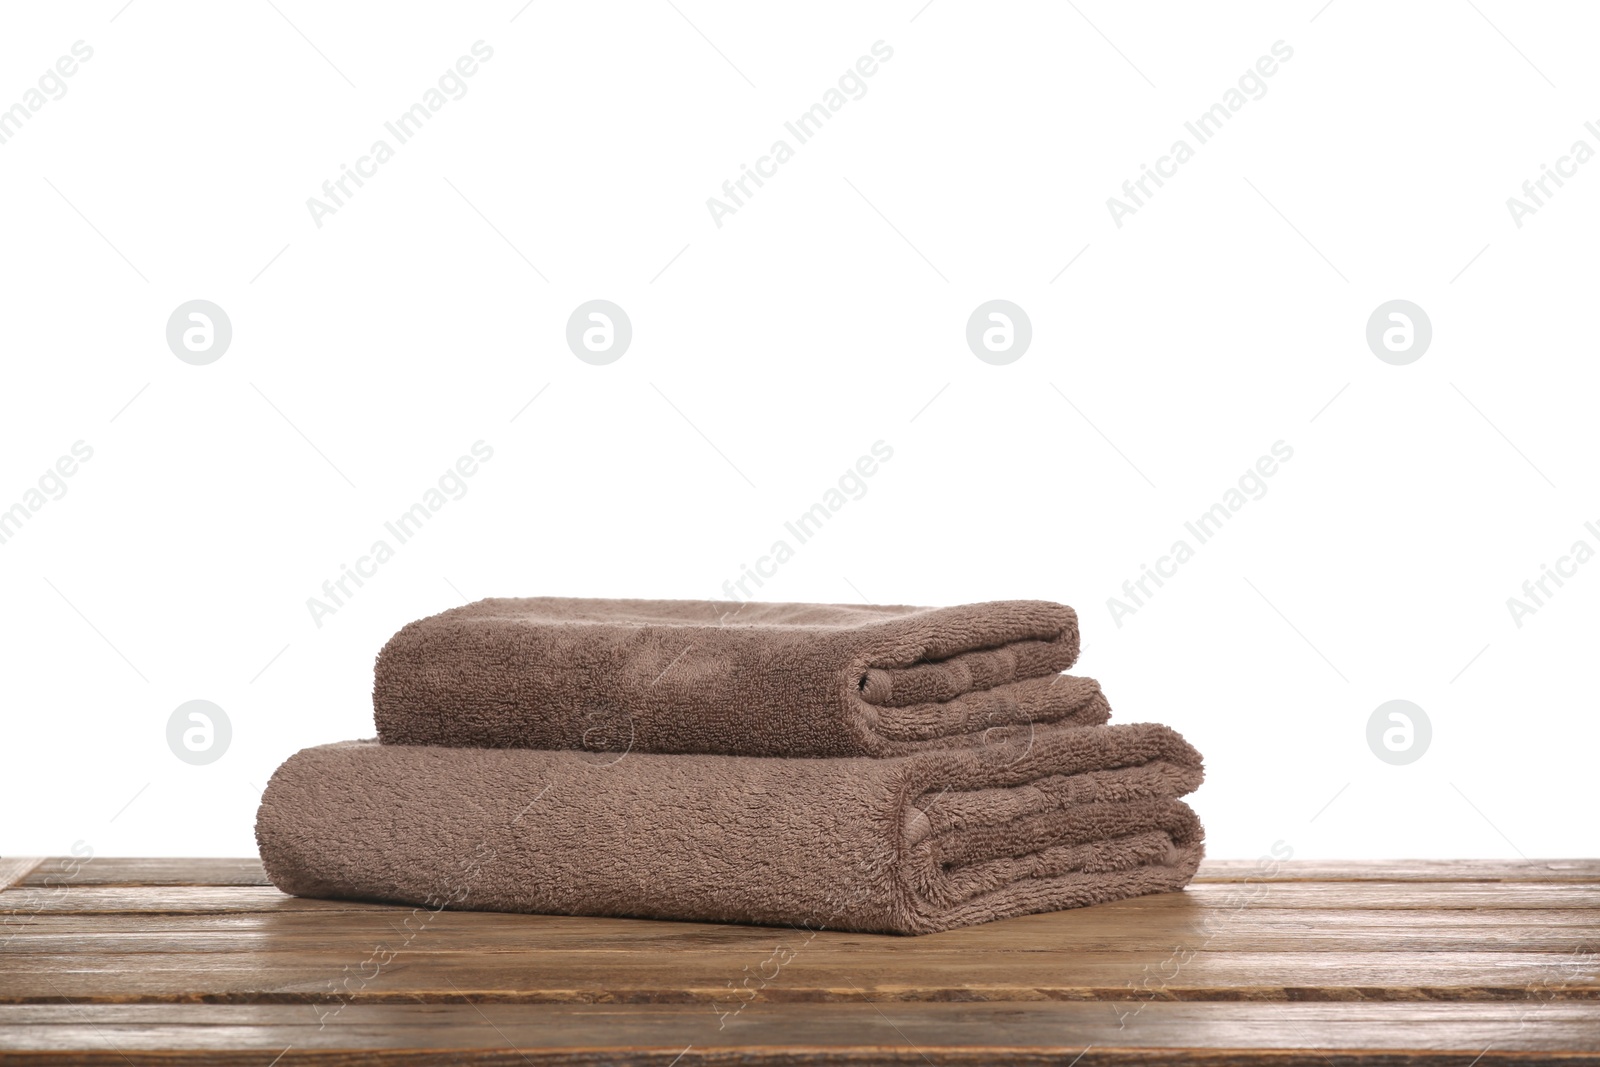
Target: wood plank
(14, 869)
(120, 870)
(1258, 928)
(1452, 1035)
(812, 975)
(1223, 896)
(1400, 963)
(1536, 870)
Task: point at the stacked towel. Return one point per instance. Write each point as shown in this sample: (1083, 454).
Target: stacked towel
(880, 769)
(711, 677)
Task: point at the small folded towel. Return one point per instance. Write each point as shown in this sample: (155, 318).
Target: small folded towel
(910, 844)
(702, 676)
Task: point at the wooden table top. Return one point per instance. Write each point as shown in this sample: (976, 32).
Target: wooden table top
(130, 961)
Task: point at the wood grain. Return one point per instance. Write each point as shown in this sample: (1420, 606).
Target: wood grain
(1334, 1030)
(1420, 962)
(15, 869)
(1210, 899)
(1542, 871)
(121, 870)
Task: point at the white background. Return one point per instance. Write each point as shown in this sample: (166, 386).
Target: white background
(828, 313)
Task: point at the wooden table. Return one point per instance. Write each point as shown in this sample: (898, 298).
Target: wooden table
(127, 961)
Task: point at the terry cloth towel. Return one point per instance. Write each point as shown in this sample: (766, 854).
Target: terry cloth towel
(909, 844)
(752, 679)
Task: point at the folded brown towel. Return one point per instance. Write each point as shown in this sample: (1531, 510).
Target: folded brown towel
(909, 844)
(749, 679)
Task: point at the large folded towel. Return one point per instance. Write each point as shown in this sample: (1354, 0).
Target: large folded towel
(910, 844)
(752, 679)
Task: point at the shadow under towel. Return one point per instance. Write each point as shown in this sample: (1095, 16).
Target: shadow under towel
(750, 679)
(911, 844)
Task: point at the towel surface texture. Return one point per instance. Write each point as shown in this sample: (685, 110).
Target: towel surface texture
(711, 677)
(1052, 818)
